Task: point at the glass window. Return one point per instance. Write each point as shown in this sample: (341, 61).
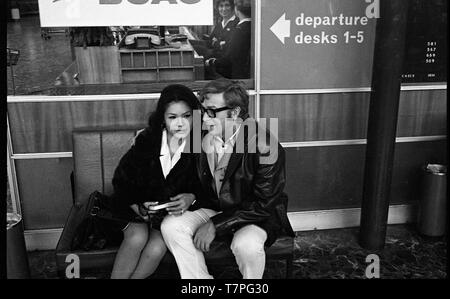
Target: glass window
(127, 59)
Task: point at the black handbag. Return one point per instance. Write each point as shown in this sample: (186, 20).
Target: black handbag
(100, 227)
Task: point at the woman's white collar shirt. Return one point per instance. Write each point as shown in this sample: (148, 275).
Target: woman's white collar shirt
(224, 24)
(168, 163)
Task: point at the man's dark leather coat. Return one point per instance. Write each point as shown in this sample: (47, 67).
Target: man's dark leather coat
(252, 192)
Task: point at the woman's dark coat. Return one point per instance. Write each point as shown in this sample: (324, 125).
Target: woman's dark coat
(139, 178)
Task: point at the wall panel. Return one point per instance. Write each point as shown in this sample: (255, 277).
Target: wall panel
(47, 127)
(318, 116)
(343, 116)
(45, 192)
(422, 113)
(331, 177)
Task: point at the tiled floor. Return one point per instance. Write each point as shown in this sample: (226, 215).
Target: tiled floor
(329, 254)
(41, 61)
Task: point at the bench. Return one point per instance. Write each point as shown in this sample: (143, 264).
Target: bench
(96, 154)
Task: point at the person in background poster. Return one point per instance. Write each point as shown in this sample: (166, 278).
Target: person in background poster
(235, 63)
(221, 35)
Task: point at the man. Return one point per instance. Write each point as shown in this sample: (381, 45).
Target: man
(235, 63)
(242, 193)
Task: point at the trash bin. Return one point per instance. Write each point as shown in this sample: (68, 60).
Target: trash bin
(15, 14)
(17, 258)
(433, 200)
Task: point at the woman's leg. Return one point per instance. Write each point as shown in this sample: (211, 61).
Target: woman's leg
(151, 255)
(135, 237)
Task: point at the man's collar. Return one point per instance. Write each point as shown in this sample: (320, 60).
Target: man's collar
(230, 140)
(244, 20)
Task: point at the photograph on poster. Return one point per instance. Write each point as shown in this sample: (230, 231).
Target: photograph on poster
(226, 139)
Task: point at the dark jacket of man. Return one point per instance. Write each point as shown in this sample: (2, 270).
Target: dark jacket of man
(139, 178)
(251, 192)
(236, 60)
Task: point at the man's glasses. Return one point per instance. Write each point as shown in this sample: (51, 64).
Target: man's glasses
(212, 112)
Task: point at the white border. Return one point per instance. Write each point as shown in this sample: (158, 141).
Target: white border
(91, 98)
(83, 98)
(341, 218)
(349, 90)
(54, 155)
(359, 141)
(256, 92)
(314, 91)
(257, 46)
(424, 87)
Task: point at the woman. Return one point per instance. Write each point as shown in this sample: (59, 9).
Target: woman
(155, 170)
(235, 62)
(219, 40)
(221, 35)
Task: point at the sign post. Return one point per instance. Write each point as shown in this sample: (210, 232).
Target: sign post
(318, 44)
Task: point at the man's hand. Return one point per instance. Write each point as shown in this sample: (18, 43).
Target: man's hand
(180, 203)
(204, 235)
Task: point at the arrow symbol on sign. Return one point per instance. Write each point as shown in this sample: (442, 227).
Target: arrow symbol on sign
(282, 28)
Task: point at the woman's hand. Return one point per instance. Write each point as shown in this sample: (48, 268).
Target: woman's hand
(140, 211)
(147, 205)
(180, 203)
(143, 210)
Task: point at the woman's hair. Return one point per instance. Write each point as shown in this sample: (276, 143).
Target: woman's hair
(244, 6)
(229, 1)
(170, 94)
(234, 94)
